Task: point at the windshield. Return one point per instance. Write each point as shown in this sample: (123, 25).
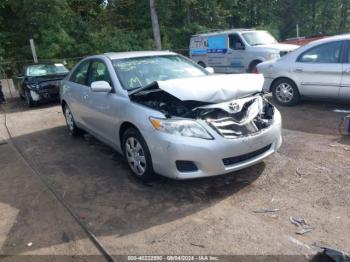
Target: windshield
(141, 71)
(46, 69)
(259, 38)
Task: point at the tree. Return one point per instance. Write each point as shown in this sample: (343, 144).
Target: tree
(76, 28)
(155, 25)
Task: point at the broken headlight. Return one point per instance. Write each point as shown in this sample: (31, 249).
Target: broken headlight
(181, 127)
(33, 86)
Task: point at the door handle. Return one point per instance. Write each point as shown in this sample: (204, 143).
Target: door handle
(85, 97)
(347, 71)
(298, 69)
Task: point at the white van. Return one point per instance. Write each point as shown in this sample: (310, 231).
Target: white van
(236, 50)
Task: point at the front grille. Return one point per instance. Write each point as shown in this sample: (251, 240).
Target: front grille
(237, 159)
(228, 128)
(253, 115)
(52, 90)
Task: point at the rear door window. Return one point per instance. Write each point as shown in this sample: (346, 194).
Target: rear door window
(347, 57)
(325, 54)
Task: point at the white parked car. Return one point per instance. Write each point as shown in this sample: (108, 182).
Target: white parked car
(236, 50)
(320, 70)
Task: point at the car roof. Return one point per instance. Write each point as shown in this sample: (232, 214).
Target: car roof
(237, 30)
(121, 55)
(331, 39)
(42, 63)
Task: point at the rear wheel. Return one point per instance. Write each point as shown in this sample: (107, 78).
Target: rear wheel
(285, 92)
(72, 127)
(137, 154)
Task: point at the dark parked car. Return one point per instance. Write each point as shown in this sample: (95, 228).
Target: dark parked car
(40, 82)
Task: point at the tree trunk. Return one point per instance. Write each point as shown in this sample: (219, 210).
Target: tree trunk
(343, 17)
(313, 26)
(155, 25)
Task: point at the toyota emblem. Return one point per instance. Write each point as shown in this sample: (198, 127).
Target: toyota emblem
(234, 107)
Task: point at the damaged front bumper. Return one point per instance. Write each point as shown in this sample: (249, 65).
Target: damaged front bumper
(44, 94)
(185, 157)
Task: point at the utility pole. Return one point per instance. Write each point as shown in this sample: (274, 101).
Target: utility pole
(298, 31)
(155, 25)
(32, 47)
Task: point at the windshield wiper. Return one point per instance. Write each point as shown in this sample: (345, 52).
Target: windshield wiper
(140, 88)
(134, 88)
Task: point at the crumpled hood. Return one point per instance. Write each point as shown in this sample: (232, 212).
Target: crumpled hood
(47, 78)
(213, 88)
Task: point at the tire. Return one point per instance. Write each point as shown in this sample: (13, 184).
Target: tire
(137, 155)
(21, 96)
(29, 100)
(202, 64)
(72, 127)
(252, 67)
(285, 92)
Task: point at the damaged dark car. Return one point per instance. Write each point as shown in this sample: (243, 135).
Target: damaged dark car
(169, 116)
(40, 82)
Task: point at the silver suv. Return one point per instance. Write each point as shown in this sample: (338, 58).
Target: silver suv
(168, 115)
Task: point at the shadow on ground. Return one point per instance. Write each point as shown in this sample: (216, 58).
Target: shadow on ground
(311, 116)
(97, 184)
(15, 105)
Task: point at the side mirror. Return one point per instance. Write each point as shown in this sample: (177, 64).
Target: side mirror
(210, 70)
(101, 86)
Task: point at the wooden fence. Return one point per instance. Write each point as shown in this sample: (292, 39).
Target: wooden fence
(8, 88)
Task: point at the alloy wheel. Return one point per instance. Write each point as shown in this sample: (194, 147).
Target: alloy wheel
(284, 92)
(135, 156)
(69, 119)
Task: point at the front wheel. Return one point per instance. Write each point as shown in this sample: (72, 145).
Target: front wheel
(29, 100)
(137, 154)
(202, 64)
(72, 127)
(253, 67)
(285, 92)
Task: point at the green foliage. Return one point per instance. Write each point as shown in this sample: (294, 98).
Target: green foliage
(76, 28)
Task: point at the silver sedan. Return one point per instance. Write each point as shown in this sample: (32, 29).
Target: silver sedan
(318, 70)
(169, 116)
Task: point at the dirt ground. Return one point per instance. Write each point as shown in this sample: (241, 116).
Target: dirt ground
(309, 178)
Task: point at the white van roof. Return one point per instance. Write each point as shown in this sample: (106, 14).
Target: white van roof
(230, 31)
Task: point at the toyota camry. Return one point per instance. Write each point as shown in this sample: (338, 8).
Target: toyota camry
(168, 115)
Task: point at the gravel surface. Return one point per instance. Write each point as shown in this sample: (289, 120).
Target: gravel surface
(308, 178)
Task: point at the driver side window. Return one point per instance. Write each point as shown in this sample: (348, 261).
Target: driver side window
(99, 72)
(235, 42)
(79, 76)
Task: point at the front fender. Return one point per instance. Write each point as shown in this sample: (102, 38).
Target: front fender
(258, 58)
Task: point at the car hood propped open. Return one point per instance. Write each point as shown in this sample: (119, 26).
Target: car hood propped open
(214, 88)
